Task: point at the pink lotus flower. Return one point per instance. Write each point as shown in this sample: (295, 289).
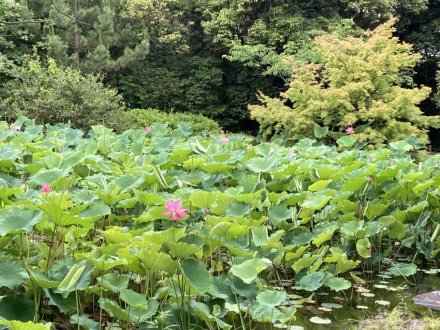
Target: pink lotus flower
(45, 188)
(148, 129)
(174, 208)
(292, 153)
(248, 148)
(224, 139)
(349, 130)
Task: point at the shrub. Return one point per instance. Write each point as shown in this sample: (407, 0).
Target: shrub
(364, 83)
(52, 94)
(140, 118)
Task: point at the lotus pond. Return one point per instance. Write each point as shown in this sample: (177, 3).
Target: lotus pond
(264, 235)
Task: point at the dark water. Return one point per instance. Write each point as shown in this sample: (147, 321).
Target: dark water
(349, 316)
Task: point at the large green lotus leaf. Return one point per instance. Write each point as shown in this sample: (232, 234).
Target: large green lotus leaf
(397, 230)
(8, 153)
(6, 192)
(158, 261)
(17, 307)
(350, 228)
(172, 234)
(11, 181)
(127, 203)
(128, 181)
(265, 314)
(106, 262)
(363, 247)
(202, 311)
(13, 219)
(238, 210)
(250, 198)
(419, 207)
(338, 284)
(12, 273)
(279, 213)
(113, 281)
(375, 210)
(112, 194)
(258, 165)
(47, 176)
(324, 236)
(61, 199)
(179, 155)
(222, 203)
(260, 236)
(72, 136)
(354, 184)
(72, 159)
(65, 305)
(345, 264)
(113, 309)
(326, 172)
(196, 274)
(151, 214)
(316, 202)
(320, 132)
(212, 168)
(95, 210)
(299, 238)
(194, 162)
(183, 250)
(299, 252)
(83, 196)
(402, 269)
(78, 278)
(203, 199)
(248, 270)
(17, 325)
(221, 288)
(59, 217)
(133, 298)
(312, 282)
(139, 315)
(149, 198)
(41, 280)
(162, 144)
(271, 298)
(84, 322)
(243, 289)
(265, 149)
(434, 197)
(319, 185)
(117, 235)
(306, 261)
(229, 230)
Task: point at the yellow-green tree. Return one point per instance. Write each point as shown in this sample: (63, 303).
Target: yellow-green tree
(361, 82)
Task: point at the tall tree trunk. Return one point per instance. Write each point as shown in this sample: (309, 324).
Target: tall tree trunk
(77, 30)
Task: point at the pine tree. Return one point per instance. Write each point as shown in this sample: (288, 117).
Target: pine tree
(93, 36)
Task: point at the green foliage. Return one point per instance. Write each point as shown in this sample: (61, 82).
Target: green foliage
(363, 83)
(141, 118)
(437, 94)
(15, 39)
(98, 247)
(52, 94)
(93, 37)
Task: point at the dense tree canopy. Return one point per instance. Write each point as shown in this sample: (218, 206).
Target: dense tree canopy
(361, 83)
(204, 56)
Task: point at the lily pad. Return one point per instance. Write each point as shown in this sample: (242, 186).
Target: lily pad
(319, 320)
